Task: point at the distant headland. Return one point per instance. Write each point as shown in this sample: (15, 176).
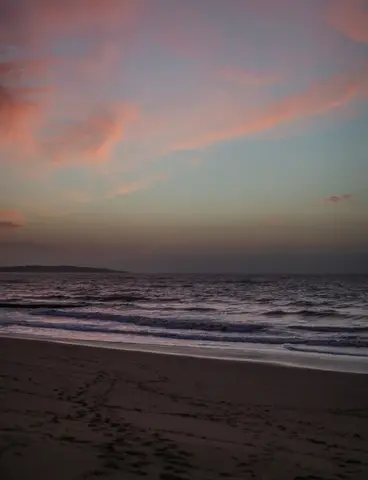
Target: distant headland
(56, 269)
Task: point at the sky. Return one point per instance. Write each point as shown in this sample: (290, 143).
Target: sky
(185, 136)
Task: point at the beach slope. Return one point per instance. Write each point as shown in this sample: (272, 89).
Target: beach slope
(73, 412)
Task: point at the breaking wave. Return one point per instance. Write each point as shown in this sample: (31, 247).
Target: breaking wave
(328, 350)
(247, 334)
(38, 305)
(202, 330)
(324, 316)
(170, 323)
(307, 313)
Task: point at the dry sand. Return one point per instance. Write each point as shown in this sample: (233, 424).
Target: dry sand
(72, 412)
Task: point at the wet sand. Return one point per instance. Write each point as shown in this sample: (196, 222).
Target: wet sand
(74, 412)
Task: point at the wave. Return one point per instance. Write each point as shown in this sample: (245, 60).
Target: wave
(164, 299)
(12, 281)
(171, 323)
(114, 297)
(248, 281)
(330, 328)
(320, 313)
(191, 309)
(127, 298)
(200, 309)
(330, 351)
(277, 313)
(284, 341)
(317, 303)
(56, 296)
(207, 325)
(197, 335)
(38, 305)
(306, 313)
(36, 299)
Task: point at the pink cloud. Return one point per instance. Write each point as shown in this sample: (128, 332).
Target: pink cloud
(317, 100)
(338, 198)
(20, 106)
(188, 31)
(31, 22)
(80, 197)
(91, 12)
(108, 24)
(16, 70)
(84, 132)
(142, 184)
(350, 17)
(11, 219)
(19, 115)
(28, 118)
(91, 139)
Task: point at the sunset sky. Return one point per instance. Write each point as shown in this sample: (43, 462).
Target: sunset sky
(185, 135)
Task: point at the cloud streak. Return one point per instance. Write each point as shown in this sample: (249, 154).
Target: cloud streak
(88, 97)
(34, 127)
(350, 18)
(142, 184)
(20, 106)
(320, 99)
(338, 198)
(19, 113)
(29, 23)
(93, 138)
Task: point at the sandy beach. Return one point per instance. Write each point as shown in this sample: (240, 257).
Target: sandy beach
(73, 412)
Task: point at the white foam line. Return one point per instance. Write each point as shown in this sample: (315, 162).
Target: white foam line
(309, 361)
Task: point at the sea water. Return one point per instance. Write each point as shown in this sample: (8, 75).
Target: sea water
(310, 321)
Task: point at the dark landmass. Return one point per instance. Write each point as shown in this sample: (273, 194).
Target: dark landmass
(56, 269)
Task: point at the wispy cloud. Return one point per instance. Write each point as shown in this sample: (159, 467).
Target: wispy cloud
(338, 198)
(29, 23)
(80, 197)
(141, 184)
(29, 31)
(93, 138)
(70, 94)
(20, 107)
(318, 100)
(350, 17)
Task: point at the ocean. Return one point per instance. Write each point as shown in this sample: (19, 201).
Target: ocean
(307, 321)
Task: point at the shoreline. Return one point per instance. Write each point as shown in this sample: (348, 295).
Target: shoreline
(292, 359)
